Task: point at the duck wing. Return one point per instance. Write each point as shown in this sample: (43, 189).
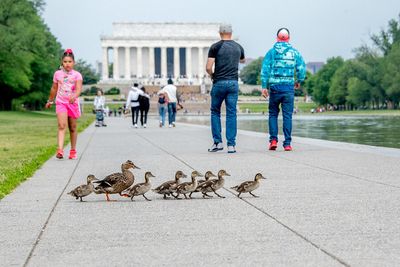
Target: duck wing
(165, 186)
(245, 186)
(80, 191)
(110, 180)
(183, 186)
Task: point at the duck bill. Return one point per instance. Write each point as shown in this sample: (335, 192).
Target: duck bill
(227, 174)
(136, 167)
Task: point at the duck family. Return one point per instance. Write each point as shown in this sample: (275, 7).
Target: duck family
(123, 183)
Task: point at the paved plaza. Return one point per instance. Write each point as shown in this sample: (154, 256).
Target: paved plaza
(323, 204)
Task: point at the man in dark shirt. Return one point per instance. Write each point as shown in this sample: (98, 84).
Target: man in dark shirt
(225, 56)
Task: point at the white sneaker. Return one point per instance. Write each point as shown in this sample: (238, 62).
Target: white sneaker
(231, 149)
(136, 126)
(173, 124)
(216, 147)
(170, 126)
(145, 125)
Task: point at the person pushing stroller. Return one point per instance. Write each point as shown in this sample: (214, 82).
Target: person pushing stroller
(99, 104)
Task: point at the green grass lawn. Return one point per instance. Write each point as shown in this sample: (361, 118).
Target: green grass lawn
(263, 107)
(27, 140)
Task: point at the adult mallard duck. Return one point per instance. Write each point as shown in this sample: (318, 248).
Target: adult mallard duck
(85, 189)
(214, 184)
(117, 182)
(188, 187)
(249, 186)
(142, 188)
(207, 177)
(169, 187)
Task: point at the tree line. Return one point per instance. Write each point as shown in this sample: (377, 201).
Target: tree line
(370, 80)
(29, 55)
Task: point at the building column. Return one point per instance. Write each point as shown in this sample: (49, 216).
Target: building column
(139, 59)
(105, 63)
(115, 64)
(127, 63)
(163, 62)
(176, 62)
(201, 63)
(188, 62)
(151, 62)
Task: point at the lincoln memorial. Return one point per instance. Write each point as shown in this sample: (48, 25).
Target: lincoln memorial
(150, 53)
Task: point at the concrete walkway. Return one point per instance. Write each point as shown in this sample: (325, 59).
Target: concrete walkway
(324, 204)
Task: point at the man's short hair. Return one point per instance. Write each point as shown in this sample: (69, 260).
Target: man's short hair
(135, 85)
(225, 28)
(170, 81)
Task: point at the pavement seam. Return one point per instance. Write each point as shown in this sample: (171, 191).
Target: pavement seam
(313, 166)
(57, 201)
(336, 258)
(337, 172)
(259, 209)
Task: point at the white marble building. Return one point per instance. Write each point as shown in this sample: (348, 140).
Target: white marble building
(152, 52)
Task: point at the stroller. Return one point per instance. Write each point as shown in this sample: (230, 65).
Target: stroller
(100, 118)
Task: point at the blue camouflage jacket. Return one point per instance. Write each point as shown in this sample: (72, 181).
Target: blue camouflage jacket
(281, 66)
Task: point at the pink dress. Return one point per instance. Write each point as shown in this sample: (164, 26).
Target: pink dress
(66, 88)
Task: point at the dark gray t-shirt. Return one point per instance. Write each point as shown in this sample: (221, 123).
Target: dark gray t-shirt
(227, 54)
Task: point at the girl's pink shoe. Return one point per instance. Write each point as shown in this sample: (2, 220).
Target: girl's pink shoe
(72, 154)
(60, 154)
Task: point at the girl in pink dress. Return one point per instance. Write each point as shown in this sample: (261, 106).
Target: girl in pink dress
(67, 86)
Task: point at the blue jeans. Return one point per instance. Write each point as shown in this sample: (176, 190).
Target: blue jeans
(171, 112)
(286, 100)
(228, 91)
(162, 109)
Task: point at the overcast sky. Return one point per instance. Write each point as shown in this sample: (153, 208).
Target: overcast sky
(319, 28)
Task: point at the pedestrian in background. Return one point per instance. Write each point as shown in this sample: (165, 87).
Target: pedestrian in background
(133, 102)
(171, 91)
(162, 105)
(282, 71)
(144, 106)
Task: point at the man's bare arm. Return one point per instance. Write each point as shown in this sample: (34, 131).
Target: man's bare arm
(209, 66)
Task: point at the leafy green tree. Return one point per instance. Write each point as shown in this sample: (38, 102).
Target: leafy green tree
(374, 74)
(88, 73)
(386, 39)
(322, 80)
(391, 79)
(250, 74)
(359, 92)
(28, 54)
(309, 83)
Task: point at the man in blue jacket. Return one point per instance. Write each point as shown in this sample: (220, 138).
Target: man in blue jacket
(282, 71)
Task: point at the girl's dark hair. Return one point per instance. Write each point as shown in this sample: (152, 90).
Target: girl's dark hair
(68, 53)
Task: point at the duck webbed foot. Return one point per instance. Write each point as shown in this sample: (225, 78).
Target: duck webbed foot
(218, 194)
(253, 194)
(146, 198)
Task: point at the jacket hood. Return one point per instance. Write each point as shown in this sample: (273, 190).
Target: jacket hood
(282, 47)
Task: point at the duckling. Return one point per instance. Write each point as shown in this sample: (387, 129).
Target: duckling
(188, 187)
(249, 186)
(214, 184)
(169, 187)
(142, 188)
(85, 189)
(117, 182)
(207, 177)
